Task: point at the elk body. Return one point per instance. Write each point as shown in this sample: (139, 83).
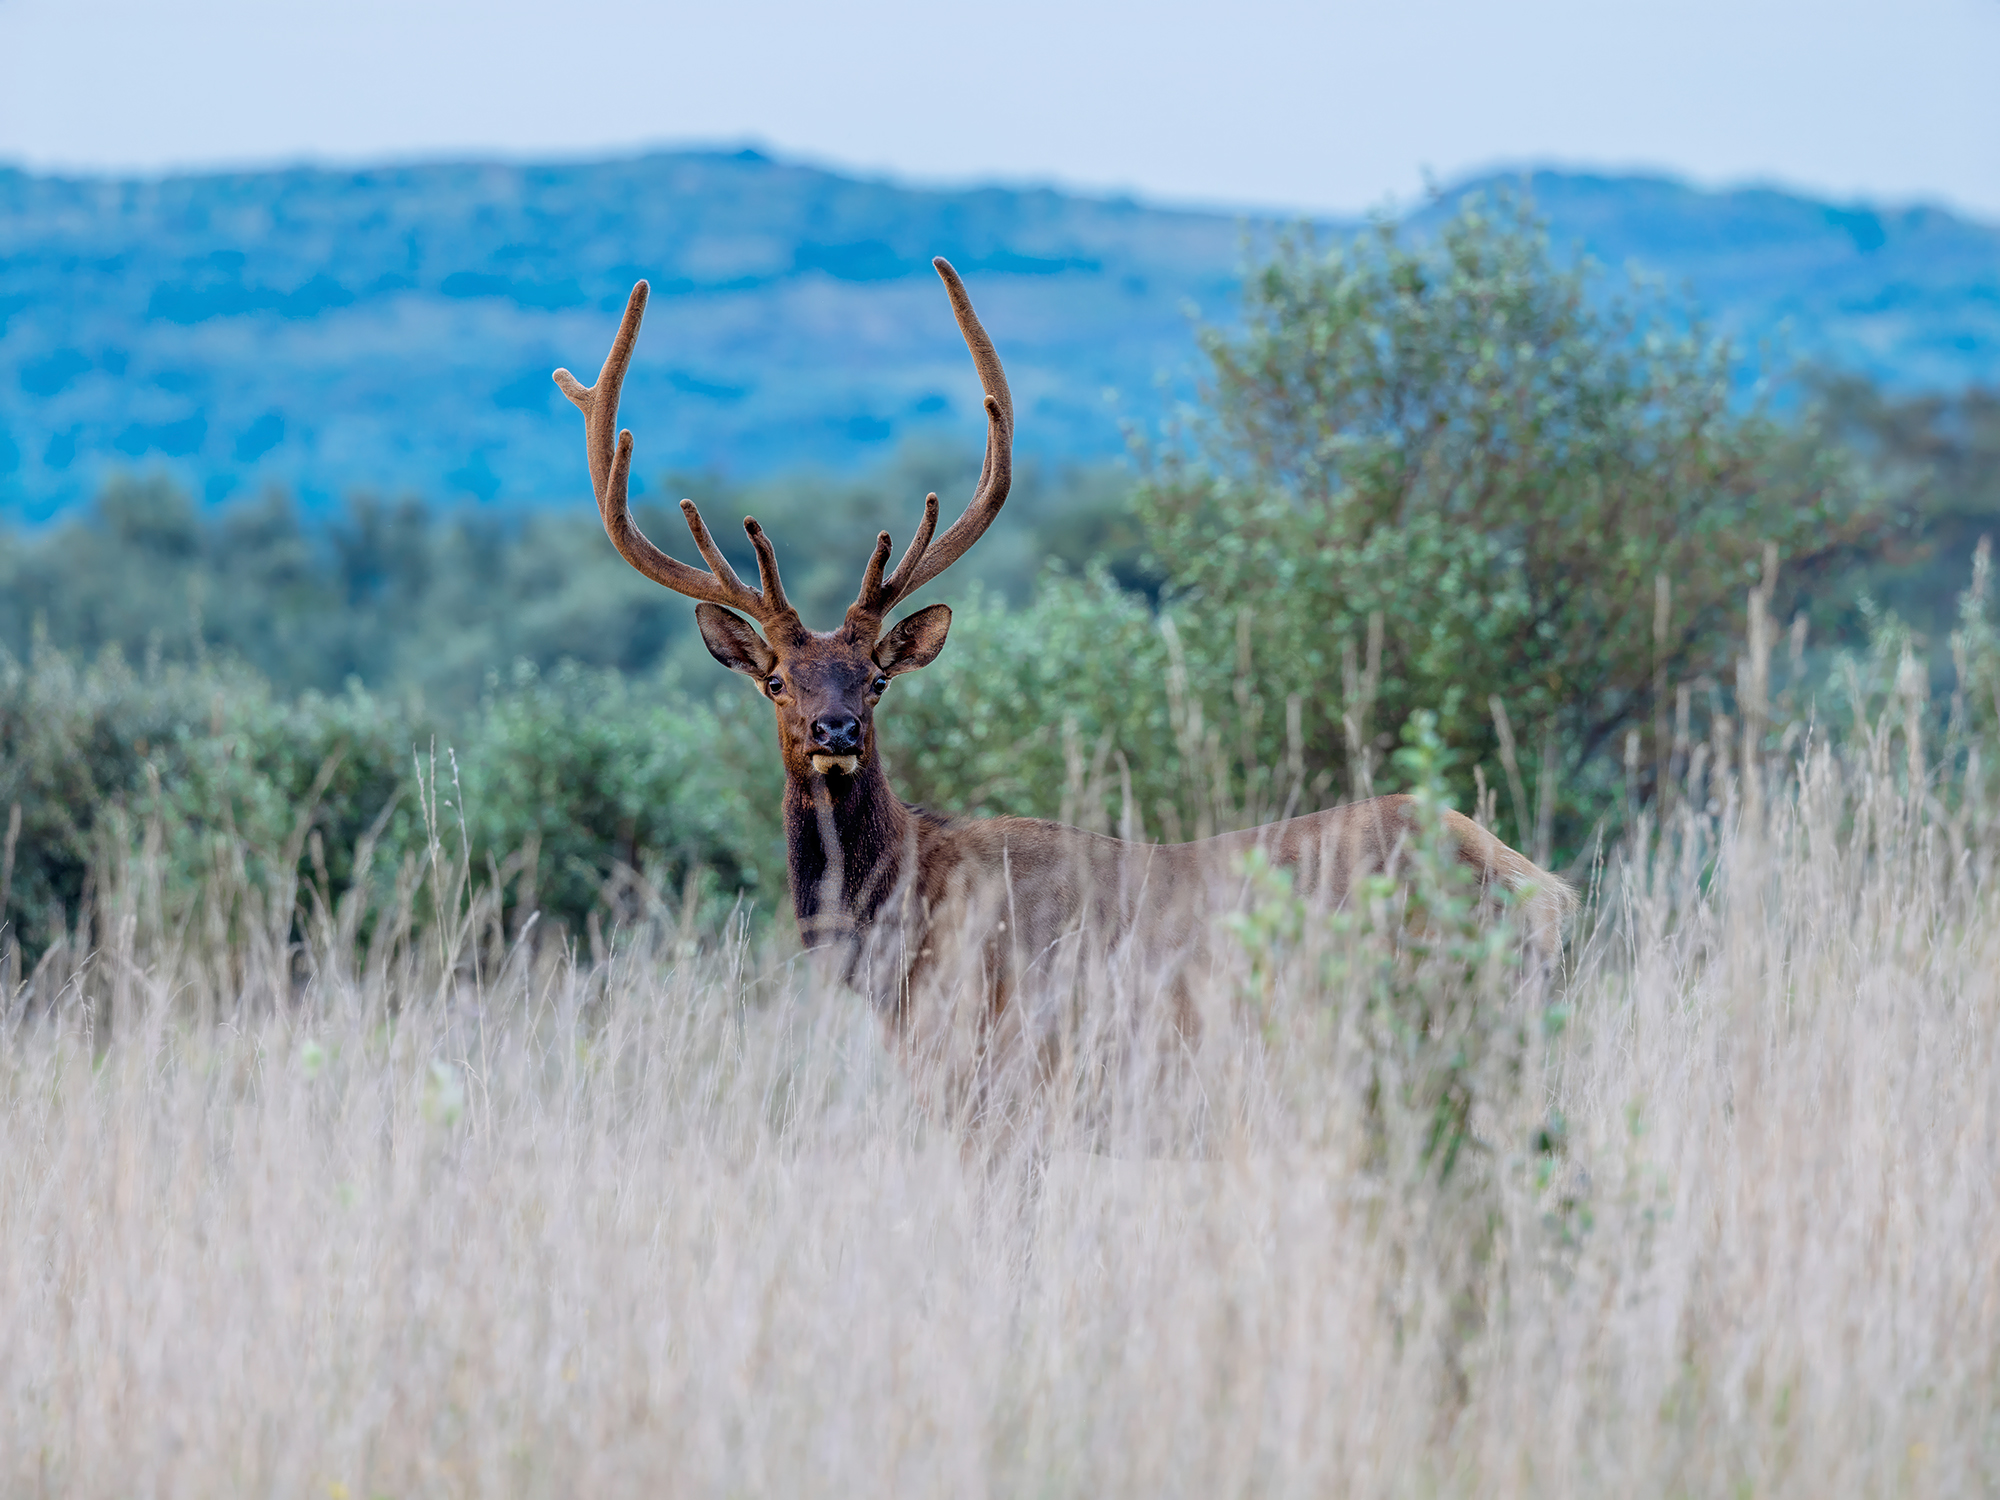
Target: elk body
(959, 930)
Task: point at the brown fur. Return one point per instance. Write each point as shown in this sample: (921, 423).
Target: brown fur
(943, 921)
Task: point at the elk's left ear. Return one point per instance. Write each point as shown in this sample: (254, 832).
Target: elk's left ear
(914, 642)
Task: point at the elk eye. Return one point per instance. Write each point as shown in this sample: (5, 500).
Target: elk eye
(881, 683)
(776, 685)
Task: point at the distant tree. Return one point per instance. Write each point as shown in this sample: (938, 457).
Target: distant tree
(1552, 495)
(400, 594)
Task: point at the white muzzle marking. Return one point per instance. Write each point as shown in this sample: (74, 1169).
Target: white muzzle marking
(847, 765)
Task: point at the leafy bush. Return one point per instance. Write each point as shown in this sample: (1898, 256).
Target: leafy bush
(996, 724)
(1975, 647)
(208, 752)
(1547, 495)
(595, 778)
(601, 780)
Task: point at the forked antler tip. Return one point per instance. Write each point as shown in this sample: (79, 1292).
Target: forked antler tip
(610, 473)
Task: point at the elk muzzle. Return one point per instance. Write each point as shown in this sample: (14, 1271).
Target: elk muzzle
(836, 740)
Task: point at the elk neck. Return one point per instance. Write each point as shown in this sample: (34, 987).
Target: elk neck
(854, 826)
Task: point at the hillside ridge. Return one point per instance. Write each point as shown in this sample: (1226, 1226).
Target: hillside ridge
(392, 328)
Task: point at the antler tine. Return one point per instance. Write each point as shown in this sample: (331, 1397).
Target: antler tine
(873, 596)
(767, 568)
(877, 594)
(996, 472)
(718, 587)
(599, 402)
(610, 477)
(712, 555)
(897, 586)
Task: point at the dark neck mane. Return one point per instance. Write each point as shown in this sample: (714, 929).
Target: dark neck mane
(848, 838)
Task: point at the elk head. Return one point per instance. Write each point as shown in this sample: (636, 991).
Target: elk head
(824, 685)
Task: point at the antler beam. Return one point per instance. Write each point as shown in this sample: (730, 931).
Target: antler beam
(924, 560)
(610, 475)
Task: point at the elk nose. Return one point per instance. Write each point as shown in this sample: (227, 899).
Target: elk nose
(840, 733)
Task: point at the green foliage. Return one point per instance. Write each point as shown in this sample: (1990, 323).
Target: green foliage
(1432, 473)
(1088, 708)
(1269, 924)
(1934, 458)
(603, 780)
(401, 596)
(597, 779)
(1438, 976)
(997, 724)
(1466, 438)
(1444, 1022)
(1975, 647)
(208, 753)
(1442, 1011)
(394, 595)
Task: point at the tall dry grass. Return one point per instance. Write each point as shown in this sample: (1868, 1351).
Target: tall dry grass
(425, 1209)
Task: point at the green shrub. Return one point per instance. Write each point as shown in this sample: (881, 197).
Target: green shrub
(207, 752)
(1468, 439)
(991, 728)
(602, 779)
(1975, 647)
(595, 778)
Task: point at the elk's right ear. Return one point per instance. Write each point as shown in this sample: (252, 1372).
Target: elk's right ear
(732, 641)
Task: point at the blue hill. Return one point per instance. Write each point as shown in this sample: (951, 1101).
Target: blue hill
(1908, 297)
(393, 329)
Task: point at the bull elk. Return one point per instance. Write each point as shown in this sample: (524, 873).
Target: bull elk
(942, 921)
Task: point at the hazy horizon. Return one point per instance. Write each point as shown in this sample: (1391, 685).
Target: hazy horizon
(1179, 105)
(945, 183)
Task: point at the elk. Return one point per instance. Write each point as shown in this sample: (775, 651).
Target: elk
(942, 921)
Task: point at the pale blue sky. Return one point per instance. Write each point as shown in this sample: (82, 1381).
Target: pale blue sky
(1334, 106)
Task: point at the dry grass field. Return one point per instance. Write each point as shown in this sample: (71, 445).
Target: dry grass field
(441, 1212)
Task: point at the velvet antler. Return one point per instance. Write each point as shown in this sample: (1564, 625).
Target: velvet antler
(924, 560)
(610, 472)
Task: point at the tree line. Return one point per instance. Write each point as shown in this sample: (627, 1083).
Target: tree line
(1463, 474)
